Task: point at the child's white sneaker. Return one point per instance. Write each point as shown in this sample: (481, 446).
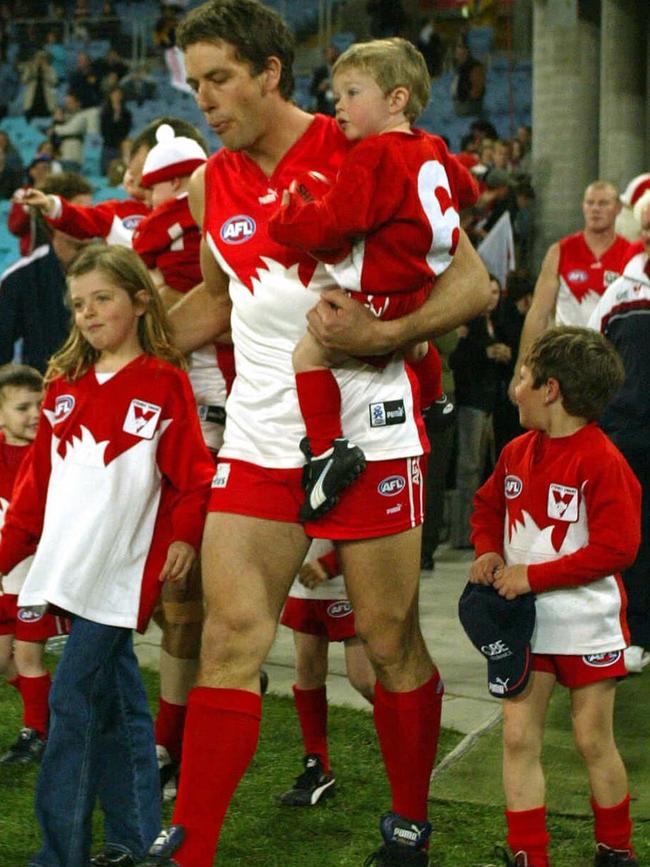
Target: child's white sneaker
(634, 659)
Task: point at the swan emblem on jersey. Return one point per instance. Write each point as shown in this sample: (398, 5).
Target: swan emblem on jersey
(540, 543)
(141, 419)
(562, 503)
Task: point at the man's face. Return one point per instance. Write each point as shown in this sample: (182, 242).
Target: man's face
(229, 95)
(645, 228)
(600, 207)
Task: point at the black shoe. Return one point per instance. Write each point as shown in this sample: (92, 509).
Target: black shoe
(606, 857)
(427, 563)
(312, 786)
(440, 414)
(27, 750)
(264, 682)
(168, 770)
(328, 475)
(521, 859)
(113, 858)
(164, 846)
(403, 843)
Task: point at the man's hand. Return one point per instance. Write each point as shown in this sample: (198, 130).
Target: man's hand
(312, 574)
(339, 322)
(511, 581)
(180, 557)
(483, 568)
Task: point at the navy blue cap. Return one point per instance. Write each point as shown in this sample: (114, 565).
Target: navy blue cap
(501, 629)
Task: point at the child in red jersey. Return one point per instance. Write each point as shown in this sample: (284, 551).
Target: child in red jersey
(22, 639)
(373, 227)
(114, 492)
(560, 517)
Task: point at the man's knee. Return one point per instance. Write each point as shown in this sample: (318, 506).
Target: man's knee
(388, 637)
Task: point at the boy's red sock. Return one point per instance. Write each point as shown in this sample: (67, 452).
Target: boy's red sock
(612, 825)
(527, 833)
(36, 692)
(320, 404)
(170, 722)
(429, 375)
(14, 681)
(408, 727)
(311, 705)
(221, 733)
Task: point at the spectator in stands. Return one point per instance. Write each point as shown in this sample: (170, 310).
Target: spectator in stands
(525, 138)
(21, 220)
(165, 29)
(32, 291)
(112, 65)
(493, 202)
(387, 18)
(70, 132)
(502, 153)
(482, 129)
(8, 86)
(321, 82)
(522, 226)
(468, 86)
(115, 123)
(468, 154)
(39, 81)
(9, 176)
(138, 86)
(432, 46)
(13, 160)
(84, 82)
(57, 52)
(109, 25)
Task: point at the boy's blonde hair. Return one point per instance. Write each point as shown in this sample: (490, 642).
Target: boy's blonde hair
(393, 62)
(587, 367)
(123, 268)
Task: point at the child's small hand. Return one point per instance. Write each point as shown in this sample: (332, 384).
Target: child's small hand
(511, 581)
(312, 574)
(483, 568)
(286, 198)
(180, 557)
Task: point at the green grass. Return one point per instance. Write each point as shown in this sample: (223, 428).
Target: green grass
(339, 833)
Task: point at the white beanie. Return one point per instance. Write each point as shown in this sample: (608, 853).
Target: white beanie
(635, 189)
(173, 157)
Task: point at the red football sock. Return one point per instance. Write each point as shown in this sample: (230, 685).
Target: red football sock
(429, 375)
(169, 727)
(311, 705)
(35, 692)
(612, 825)
(221, 734)
(527, 833)
(408, 726)
(320, 404)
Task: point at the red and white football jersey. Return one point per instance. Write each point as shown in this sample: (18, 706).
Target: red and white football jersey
(118, 471)
(569, 508)
(272, 287)
(168, 239)
(11, 459)
(114, 220)
(583, 278)
(392, 204)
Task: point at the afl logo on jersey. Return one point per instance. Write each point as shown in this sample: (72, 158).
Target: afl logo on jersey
(602, 660)
(339, 609)
(238, 229)
(32, 614)
(577, 276)
(130, 223)
(512, 487)
(63, 406)
(391, 486)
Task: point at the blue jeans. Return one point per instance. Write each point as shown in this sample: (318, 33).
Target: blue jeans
(100, 745)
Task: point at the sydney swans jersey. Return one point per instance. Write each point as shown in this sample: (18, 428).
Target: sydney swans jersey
(569, 508)
(583, 278)
(11, 458)
(114, 220)
(272, 288)
(118, 472)
(393, 204)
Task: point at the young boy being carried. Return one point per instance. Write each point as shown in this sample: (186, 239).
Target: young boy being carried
(22, 634)
(560, 517)
(373, 231)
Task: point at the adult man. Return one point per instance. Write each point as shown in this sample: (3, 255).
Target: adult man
(577, 269)
(32, 291)
(238, 57)
(622, 316)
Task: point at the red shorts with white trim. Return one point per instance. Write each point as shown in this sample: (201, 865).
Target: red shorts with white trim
(576, 671)
(387, 498)
(330, 618)
(26, 625)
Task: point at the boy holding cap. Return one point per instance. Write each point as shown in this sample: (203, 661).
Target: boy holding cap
(560, 517)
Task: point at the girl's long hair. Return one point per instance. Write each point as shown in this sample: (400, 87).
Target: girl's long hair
(124, 269)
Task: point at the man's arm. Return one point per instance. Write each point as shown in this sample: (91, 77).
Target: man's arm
(204, 313)
(458, 295)
(542, 309)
